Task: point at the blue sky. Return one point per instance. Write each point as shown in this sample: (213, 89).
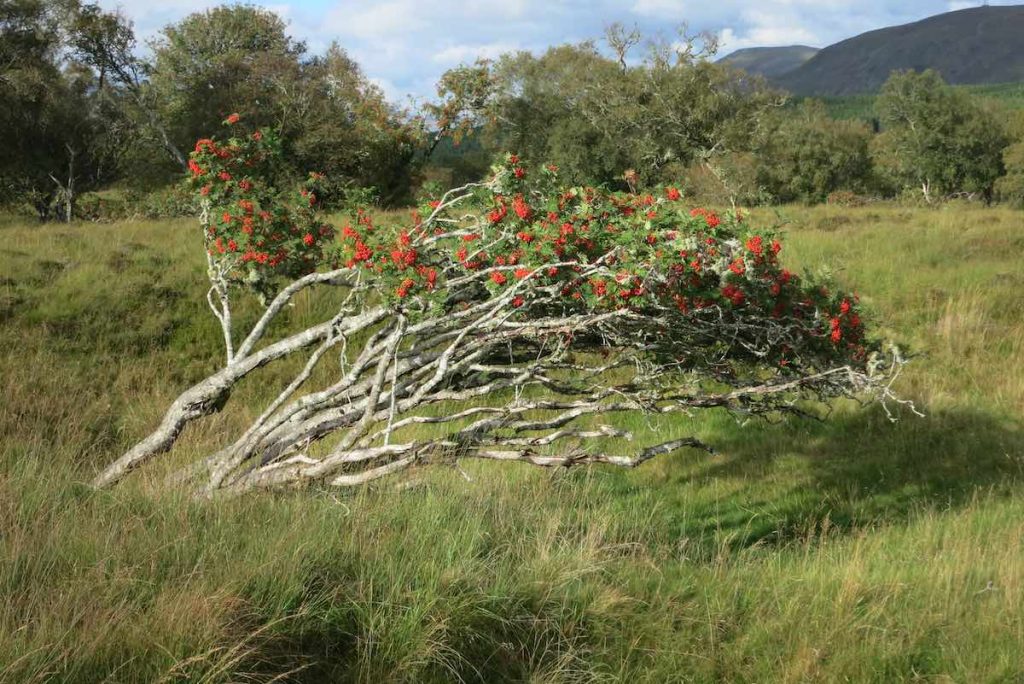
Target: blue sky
(404, 45)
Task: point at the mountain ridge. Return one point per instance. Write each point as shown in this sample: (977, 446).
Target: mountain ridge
(977, 45)
(770, 62)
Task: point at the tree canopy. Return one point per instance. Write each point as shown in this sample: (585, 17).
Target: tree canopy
(595, 116)
(804, 154)
(937, 138)
(87, 107)
(66, 127)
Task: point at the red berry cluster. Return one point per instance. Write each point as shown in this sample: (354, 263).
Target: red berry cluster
(597, 250)
(259, 233)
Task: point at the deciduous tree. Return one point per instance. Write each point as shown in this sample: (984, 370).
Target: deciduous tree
(65, 129)
(805, 154)
(513, 320)
(240, 58)
(937, 138)
(595, 116)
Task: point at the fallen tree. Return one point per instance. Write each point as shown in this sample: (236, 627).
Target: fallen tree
(509, 320)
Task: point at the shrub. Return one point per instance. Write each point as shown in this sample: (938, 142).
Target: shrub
(845, 198)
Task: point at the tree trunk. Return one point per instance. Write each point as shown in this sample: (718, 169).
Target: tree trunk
(64, 198)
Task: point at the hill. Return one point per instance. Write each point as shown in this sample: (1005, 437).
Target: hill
(971, 46)
(770, 62)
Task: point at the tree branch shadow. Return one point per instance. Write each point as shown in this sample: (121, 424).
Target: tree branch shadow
(857, 469)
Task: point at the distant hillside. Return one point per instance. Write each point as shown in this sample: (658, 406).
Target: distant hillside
(770, 62)
(971, 46)
(862, 107)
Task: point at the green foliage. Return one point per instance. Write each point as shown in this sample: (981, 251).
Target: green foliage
(223, 60)
(239, 58)
(731, 177)
(65, 128)
(464, 96)
(1010, 188)
(596, 118)
(806, 154)
(862, 107)
(164, 203)
(542, 108)
(452, 164)
(348, 131)
(936, 138)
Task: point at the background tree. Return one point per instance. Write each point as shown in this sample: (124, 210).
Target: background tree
(1010, 187)
(544, 107)
(937, 138)
(240, 59)
(94, 138)
(464, 103)
(227, 59)
(66, 129)
(31, 88)
(804, 154)
(595, 117)
(341, 124)
(106, 42)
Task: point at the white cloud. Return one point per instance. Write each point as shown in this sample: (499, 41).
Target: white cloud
(668, 9)
(464, 54)
(768, 29)
(376, 19)
(405, 45)
(765, 36)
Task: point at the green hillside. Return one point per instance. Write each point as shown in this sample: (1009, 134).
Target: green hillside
(1010, 95)
(770, 62)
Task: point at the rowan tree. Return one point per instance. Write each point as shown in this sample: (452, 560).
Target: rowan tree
(510, 320)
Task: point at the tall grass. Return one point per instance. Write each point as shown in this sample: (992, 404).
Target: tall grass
(854, 549)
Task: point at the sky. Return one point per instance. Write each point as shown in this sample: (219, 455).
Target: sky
(405, 45)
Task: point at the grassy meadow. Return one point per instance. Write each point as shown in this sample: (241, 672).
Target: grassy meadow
(854, 549)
